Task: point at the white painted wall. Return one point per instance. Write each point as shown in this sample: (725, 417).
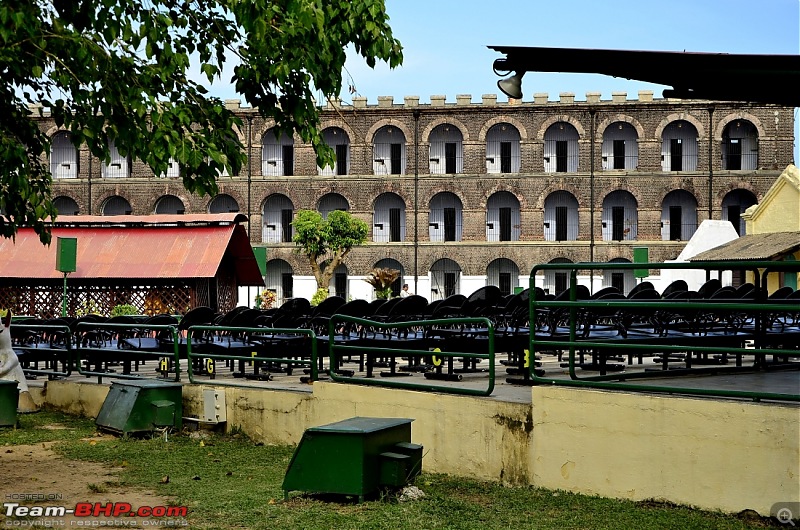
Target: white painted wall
(710, 234)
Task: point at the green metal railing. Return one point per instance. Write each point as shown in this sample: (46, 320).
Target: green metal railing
(65, 352)
(254, 332)
(346, 349)
(124, 329)
(572, 343)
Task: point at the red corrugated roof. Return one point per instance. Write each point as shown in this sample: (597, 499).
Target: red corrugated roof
(142, 247)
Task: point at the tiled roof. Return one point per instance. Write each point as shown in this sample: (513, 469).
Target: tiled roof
(757, 247)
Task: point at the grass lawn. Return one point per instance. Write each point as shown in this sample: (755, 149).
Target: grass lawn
(227, 481)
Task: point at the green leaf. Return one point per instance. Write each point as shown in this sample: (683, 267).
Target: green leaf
(112, 85)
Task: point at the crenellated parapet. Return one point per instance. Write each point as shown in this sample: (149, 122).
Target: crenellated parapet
(486, 100)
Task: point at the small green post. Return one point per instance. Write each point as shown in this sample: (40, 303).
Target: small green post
(64, 298)
(66, 262)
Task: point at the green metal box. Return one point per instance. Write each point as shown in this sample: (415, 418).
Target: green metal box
(67, 254)
(141, 406)
(261, 258)
(9, 400)
(345, 457)
(163, 413)
(641, 255)
(414, 453)
(394, 469)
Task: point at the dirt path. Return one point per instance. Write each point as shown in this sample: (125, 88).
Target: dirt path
(33, 475)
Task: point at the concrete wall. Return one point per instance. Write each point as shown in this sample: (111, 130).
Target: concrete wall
(465, 436)
(713, 454)
(78, 398)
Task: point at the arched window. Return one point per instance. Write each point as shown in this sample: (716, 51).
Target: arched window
(331, 202)
(223, 203)
(556, 280)
(447, 155)
(502, 217)
(278, 215)
(445, 279)
(389, 151)
(337, 140)
(733, 206)
(64, 161)
(620, 147)
(740, 146)
(118, 166)
(277, 155)
(444, 219)
(389, 219)
(170, 204)
(620, 216)
(503, 273)
(389, 263)
(115, 205)
(678, 216)
(502, 149)
(338, 285)
(622, 279)
(561, 148)
(679, 147)
(560, 217)
(280, 279)
(65, 205)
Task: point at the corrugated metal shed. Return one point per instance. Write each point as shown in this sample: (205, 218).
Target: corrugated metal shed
(137, 247)
(754, 247)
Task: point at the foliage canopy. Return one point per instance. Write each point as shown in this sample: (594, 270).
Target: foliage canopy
(121, 71)
(326, 242)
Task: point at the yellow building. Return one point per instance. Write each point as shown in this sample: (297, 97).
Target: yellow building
(779, 210)
(773, 231)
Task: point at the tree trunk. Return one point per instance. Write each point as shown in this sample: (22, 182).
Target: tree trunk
(323, 276)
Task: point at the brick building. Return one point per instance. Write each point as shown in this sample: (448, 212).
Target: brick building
(461, 194)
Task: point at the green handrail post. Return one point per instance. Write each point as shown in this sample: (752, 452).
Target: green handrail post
(759, 308)
(173, 330)
(490, 355)
(312, 362)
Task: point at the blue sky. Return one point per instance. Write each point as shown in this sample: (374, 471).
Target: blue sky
(445, 42)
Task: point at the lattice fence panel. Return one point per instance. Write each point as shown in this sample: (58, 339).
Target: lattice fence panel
(227, 297)
(202, 293)
(172, 300)
(18, 299)
(46, 301)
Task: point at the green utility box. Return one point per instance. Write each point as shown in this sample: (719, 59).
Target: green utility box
(9, 400)
(141, 406)
(354, 457)
(66, 254)
(641, 255)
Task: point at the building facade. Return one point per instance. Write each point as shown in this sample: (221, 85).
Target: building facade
(462, 194)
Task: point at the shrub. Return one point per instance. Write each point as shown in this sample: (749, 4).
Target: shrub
(319, 296)
(124, 309)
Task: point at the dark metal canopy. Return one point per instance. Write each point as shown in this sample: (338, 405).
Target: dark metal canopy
(692, 75)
